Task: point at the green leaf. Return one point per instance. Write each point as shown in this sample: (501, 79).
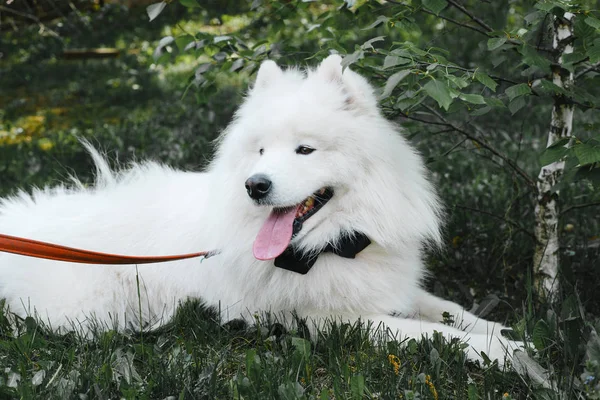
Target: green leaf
(544, 6)
(453, 92)
(494, 43)
(440, 92)
(183, 41)
(571, 309)
(258, 50)
(472, 98)
(534, 17)
(237, 64)
(573, 57)
(472, 392)
(481, 111)
(440, 53)
(434, 356)
(352, 58)
(302, 346)
(582, 30)
(551, 87)
(407, 103)
(541, 334)
(401, 52)
(593, 52)
(587, 153)
(357, 386)
(189, 3)
(218, 39)
(580, 94)
(593, 346)
(392, 61)
(202, 68)
(154, 10)
(412, 49)
(290, 391)
(461, 83)
(313, 27)
(518, 90)
(593, 22)
(554, 153)
(533, 58)
(494, 102)
(221, 56)
(549, 5)
(518, 103)
(164, 42)
(369, 43)
(486, 80)
(253, 365)
(560, 142)
(31, 324)
(382, 19)
(436, 6)
(393, 81)
(498, 59)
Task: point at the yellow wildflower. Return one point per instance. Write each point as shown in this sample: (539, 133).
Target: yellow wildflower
(45, 144)
(432, 388)
(395, 362)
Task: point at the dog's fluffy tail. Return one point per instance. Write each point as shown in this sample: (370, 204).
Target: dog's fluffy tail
(104, 175)
(109, 177)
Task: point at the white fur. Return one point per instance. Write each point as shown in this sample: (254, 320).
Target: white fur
(380, 187)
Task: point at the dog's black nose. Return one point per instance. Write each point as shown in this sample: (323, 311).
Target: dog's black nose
(258, 186)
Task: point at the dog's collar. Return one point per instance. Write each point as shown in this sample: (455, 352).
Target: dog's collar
(348, 247)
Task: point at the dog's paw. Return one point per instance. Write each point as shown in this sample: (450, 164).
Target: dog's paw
(492, 347)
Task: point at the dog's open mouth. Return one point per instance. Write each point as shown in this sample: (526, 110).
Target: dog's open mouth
(284, 223)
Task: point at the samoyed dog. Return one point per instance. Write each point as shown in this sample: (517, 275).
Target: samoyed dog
(316, 205)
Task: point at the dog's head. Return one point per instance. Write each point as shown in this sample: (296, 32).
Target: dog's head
(314, 151)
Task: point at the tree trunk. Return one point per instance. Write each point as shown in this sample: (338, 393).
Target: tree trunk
(546, 257)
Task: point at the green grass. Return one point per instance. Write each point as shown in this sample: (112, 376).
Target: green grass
(134, 107)
(195, 357)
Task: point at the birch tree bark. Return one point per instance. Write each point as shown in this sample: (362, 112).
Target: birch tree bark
(546, 256)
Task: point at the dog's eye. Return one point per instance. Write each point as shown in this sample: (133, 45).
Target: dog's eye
(304, 150)
(261, 151)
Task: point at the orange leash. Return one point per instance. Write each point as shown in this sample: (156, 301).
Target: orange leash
(34, 248)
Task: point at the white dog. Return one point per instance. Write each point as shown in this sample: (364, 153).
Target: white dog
(314, 201)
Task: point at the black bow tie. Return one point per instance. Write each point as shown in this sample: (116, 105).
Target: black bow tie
(348, 247)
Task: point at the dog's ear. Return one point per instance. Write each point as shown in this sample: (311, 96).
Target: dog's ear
(268, 72)
(331, 69)
(357, 91)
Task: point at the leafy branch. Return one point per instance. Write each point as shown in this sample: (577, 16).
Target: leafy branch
(481, 28)
(455, 22)
(442, 121)
(578, 206)
(499, 217)
(473, 18)
(593, 67)
(30, 17)
(471, 71)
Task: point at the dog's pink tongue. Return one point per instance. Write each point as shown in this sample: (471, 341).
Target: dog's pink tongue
(275, 235)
